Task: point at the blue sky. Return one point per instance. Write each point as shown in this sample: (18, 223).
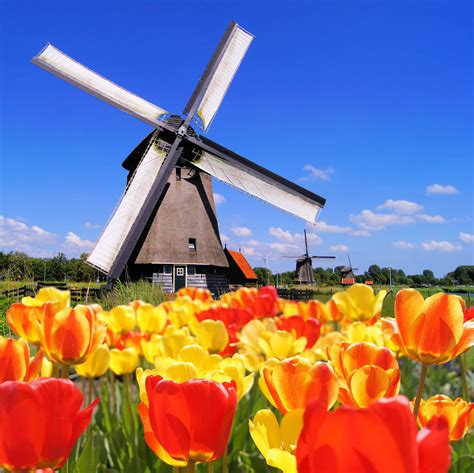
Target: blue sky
(368, 103)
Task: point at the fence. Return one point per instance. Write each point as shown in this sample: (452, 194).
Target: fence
(78, 295)
(296, 294)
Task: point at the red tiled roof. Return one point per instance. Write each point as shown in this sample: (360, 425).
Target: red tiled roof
(243, 264)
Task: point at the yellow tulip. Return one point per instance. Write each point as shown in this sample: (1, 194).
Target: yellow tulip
(123, 361)
(326, 341)
(277, 442)
(212, 335)
(235, 368)
(359, 302)
(60, 299)
(96, 365)
(357, 332)
(121, 318)
(281, 344)
(167, 345)
(151, 319)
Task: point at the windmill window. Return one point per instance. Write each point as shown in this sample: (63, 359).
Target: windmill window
(191, 270)
(167, 269)
(178, 174)
(192, 244)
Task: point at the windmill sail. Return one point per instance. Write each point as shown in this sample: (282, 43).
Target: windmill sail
(55, 61)
(255, 180)
(218, 75)
(118, 228)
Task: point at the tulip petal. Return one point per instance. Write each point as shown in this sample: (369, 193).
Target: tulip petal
(434, 450)
(285, 461)
(368, 384)
(265, 431)
(408, 303)
(467, 339)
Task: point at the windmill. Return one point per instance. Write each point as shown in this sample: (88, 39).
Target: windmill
(347, 273)
(304, 264)
(164, 227)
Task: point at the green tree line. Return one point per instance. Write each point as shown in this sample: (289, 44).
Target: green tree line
(462, 275)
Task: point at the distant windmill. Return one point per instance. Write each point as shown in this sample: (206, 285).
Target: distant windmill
(347, 273)
(304, 264)
(265, 260)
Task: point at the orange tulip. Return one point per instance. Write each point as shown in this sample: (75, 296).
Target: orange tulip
(23, 319)
(366, 372)
(41, 422)
(188, 422)
(430, 330)
(458, 413)
(292, 383)
(70, 335)
(15, 362)
(381, 438)
(196, 294)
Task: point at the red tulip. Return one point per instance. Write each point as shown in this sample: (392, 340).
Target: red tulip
(381, 438)
(40, 423)
(309, 328)
(188, 422)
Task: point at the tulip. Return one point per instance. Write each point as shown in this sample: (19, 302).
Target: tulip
(277, 442)
(381, 438)
(326, 341)
(195, 293)
(366, 372)
(261, 302)
(458, 413)
(23, 320)
(169, 344)
(70, 335)
(121, 318)
(96, 364)
(15, 364)
(292, 383)
(190, 422)
(281, 344)
(359, 302)
(123, 361)
(212, 335)
(151, 319)
(61, 299)
(41, 422)
(430, 330)
(309, 328)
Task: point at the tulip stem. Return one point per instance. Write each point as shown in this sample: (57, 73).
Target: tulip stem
(421, 385)
(465, 390)
(191, 466)
(90, 390)
(224, 462)
(64, 371)
(210, 467)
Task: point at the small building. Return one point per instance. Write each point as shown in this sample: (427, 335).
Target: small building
(240, 272)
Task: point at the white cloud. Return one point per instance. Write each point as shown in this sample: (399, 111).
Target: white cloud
(360, 233)
(324, 227)
(78, 242)
(446, 246)
(431, 218)
(466, 237)
(219, 199)
(18, 236)
(403, 207)
(92, 225)
(224, 238)
(369, 220)
(315, 173)
(404, 245)
(339, 248)
(280, 234)
(285, 248)
(439, 189)
(295, 238)
(241, 231)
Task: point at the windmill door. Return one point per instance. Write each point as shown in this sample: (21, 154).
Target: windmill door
(179, 277)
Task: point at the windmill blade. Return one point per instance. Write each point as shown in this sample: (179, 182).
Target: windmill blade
(323, 257)
(212, 87)
(119, 237)
(55, 61)
(293, 257)
(257, 181)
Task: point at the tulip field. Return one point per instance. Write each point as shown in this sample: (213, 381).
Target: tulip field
(247, 383)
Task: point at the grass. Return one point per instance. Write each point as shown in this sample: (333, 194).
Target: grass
(123, 293)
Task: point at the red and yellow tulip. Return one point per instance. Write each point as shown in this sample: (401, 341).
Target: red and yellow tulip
(15, 363)
(430, 330)
(458, 413)
(292, 383)
(380, 438)
(188, 422)
(365, 371)
(41, 422)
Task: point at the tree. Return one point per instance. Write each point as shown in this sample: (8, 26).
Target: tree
(264, 275)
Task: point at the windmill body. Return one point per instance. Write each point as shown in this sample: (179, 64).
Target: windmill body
(164, 227)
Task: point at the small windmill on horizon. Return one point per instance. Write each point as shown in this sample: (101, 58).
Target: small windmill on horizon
(164, 227)
(304, 264)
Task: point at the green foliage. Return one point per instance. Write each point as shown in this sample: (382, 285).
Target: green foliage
(123, 293)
